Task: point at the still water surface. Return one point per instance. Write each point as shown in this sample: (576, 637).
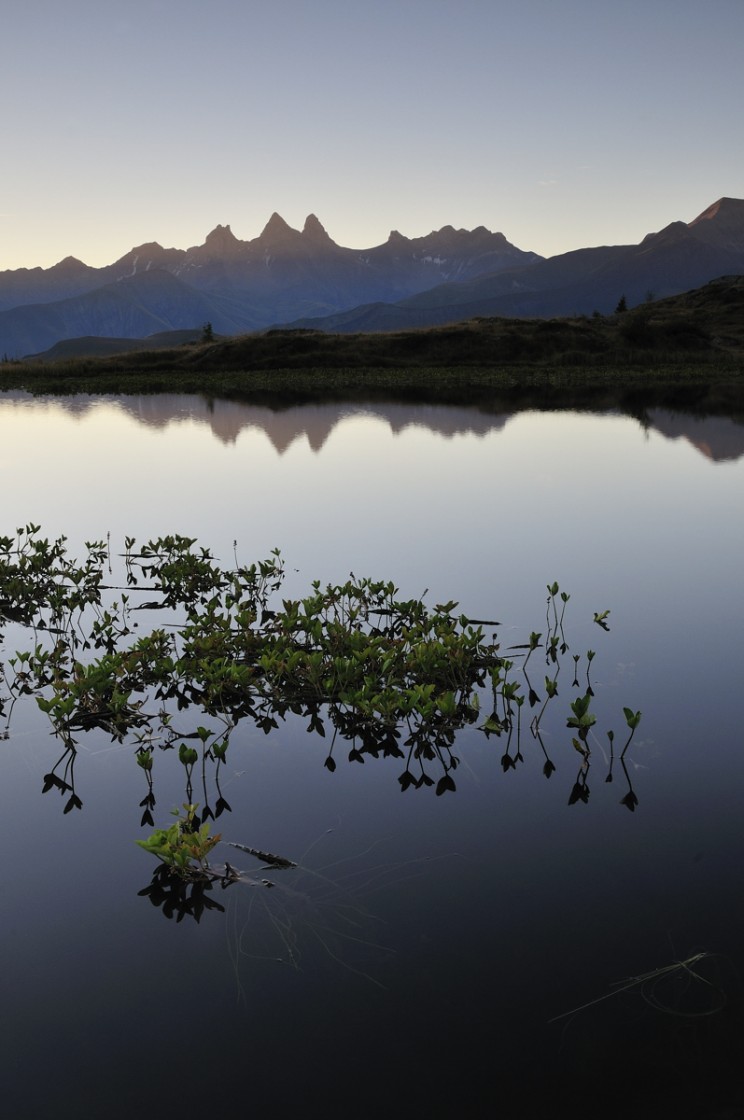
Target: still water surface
(417, 957)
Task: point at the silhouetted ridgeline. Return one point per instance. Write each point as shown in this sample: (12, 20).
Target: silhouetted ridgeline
(303, 279)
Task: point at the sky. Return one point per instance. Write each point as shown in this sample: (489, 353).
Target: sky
(560, 123)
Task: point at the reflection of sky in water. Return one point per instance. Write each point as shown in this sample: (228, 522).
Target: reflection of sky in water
(482, 515)
(534, 907)
(482, 509)
(622, 518)
(591, 501)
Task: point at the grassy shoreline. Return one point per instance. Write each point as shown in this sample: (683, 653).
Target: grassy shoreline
(685, 352)
(704, 388)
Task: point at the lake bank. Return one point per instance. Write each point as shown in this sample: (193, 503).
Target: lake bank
(684, 353)
(696, 389)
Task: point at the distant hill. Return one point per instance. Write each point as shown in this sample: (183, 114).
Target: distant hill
(96, 346)
(136, 306)
(702, 324)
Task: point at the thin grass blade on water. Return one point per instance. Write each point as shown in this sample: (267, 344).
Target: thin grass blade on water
(279, 863)
(650, 985)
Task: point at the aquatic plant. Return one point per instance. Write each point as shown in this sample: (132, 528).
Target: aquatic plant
(390, 676)
(185, 845)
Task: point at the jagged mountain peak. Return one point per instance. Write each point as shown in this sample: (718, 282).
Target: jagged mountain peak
(220, 242)
(722, 224)
(314, 230)
(450, 235)
(221, 236)
(724, 208)
(277, 231)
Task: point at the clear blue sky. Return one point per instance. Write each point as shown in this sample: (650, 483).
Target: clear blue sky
(561, 123)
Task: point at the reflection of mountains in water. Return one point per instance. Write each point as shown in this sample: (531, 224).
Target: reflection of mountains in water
(315, 423)
(718, 438)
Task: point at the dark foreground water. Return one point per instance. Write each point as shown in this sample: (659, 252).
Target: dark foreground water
(428, 952)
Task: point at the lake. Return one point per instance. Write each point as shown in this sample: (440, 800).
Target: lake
(511, 948)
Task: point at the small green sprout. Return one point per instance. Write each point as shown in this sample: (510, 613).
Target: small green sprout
(184, 846)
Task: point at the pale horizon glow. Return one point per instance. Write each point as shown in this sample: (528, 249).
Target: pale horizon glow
(559, 125)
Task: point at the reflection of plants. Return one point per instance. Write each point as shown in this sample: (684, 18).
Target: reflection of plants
(64, 783)
(632, 719)
(178, 896)
(582, 719)
(353, 654)
(92, 696)
(297, 910)
(392, 677)
(589, 659)
(33, 575)
(581, 715)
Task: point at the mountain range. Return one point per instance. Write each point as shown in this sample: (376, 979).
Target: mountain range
(302, 278)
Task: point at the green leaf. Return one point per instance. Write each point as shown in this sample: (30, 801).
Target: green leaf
(632, 718)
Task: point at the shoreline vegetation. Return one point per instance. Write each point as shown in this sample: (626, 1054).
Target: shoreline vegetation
(685, 352)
